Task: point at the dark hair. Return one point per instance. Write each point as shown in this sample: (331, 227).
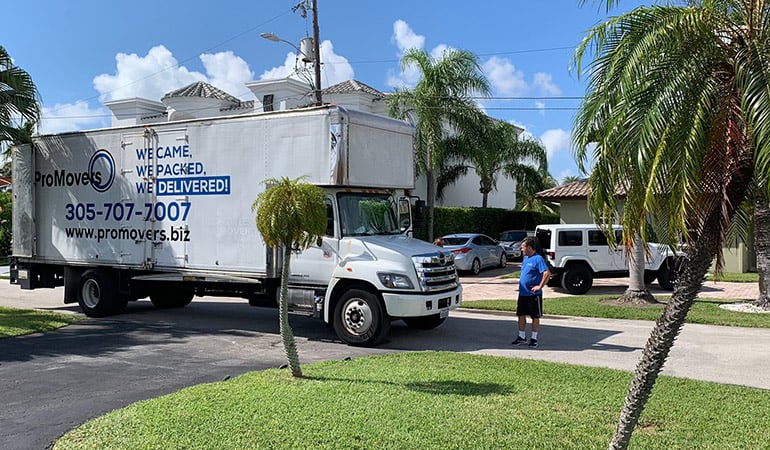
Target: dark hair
(531, 242)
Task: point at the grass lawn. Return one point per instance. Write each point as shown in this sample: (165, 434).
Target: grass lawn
(431, 400)
(704, 310)
(17, 322)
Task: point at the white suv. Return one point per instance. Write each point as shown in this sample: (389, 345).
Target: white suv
(578, 253)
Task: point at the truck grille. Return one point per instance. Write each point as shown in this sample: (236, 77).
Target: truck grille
(436, 271)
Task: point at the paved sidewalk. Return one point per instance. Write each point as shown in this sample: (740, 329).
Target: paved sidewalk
(490, 286)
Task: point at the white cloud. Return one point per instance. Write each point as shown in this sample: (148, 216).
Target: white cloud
(556, 141)
(149, 76)
(544, 82)
(228, 72)
(157, 73)
(405, 38)
(334, 68)
(72, 117)
(504, 78)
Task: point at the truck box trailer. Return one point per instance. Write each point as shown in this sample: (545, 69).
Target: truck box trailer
(164, 211)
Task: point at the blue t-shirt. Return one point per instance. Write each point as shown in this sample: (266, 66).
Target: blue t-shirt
(532, 268)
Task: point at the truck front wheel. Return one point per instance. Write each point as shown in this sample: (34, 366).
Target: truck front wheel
(360, 319)
(577, 279)
(98, 295)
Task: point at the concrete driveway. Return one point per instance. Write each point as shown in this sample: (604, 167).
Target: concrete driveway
(55, 381)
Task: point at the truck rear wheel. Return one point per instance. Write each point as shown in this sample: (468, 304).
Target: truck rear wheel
(577, 279)
(360, 319)
(98, 294)
(171, 298)
(425, 322)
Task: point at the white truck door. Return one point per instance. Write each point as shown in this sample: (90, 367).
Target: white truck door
(148, 157)
(603, 257)
(315, 265)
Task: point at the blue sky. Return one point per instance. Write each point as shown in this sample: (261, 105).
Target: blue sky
(82, 53)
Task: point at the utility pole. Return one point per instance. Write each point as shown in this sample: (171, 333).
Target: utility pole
(317, 58)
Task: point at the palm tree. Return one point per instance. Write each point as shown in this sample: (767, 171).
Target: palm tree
(490, 146)
(528, 188)
(442, 97)
(678, 105)
(290, 214)
(571, 179)
(18, 102)
(762, 246)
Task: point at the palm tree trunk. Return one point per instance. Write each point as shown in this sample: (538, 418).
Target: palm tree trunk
(287, 336)
(667, 328)
(637, 292)
(431, 200)
(762, 247)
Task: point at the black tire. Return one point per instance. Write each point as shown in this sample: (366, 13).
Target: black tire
(577, 279)
(171, 298)
(650, 276)
(503, 260)
(360, 318)
(553, 281)
(667, 275)
(98, 294)
(476, 266)
(425, 322)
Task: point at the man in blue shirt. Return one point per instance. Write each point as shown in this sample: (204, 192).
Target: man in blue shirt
(534, 275)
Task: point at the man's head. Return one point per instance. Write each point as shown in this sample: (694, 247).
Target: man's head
(528, 246)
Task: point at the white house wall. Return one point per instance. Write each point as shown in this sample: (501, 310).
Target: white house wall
(465, 193)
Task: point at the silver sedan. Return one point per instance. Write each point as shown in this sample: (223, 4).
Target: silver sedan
(474, 251)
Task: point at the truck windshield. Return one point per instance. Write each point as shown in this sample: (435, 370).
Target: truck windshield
(367, 214)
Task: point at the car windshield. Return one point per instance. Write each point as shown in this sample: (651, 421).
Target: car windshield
(512, 235)
(367, 214)
(455, 240)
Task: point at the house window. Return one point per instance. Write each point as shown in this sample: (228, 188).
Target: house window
(267, 102)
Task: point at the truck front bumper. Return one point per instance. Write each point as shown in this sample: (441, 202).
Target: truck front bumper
(413, 305)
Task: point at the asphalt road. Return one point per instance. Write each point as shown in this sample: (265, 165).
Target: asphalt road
(53, 382)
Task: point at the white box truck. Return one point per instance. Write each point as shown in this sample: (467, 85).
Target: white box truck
(164, 211)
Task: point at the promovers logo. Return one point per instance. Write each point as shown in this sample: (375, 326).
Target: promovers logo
(100, 174)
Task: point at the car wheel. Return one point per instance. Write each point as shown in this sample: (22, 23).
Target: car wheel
(503, 260)
(667, 275)
(98, 295)
(649, 276)
(424, 323)
(360, 318)
(476, 266)
(577, 279)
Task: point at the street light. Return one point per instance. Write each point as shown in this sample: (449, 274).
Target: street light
(305, 43)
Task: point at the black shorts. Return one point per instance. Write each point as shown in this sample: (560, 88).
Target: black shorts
(530, 305)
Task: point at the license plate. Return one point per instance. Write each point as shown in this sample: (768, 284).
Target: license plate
(444, 314)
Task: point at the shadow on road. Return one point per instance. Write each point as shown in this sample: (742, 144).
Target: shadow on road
(143, 324)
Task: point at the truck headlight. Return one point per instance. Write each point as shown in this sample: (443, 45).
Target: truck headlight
(395, 281)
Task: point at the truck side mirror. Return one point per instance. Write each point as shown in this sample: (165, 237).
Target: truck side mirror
(419, 214)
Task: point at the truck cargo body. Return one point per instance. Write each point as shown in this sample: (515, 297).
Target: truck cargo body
(165, 211)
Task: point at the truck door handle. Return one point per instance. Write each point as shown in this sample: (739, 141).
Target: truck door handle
(593, 251)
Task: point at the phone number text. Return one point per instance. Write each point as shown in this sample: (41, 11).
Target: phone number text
(126, 211)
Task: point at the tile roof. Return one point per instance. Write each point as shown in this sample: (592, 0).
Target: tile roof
(351, 86)
(202, 89)
(571, 191)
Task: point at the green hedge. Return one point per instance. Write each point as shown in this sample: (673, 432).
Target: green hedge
(489, 221)
(5, 224)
